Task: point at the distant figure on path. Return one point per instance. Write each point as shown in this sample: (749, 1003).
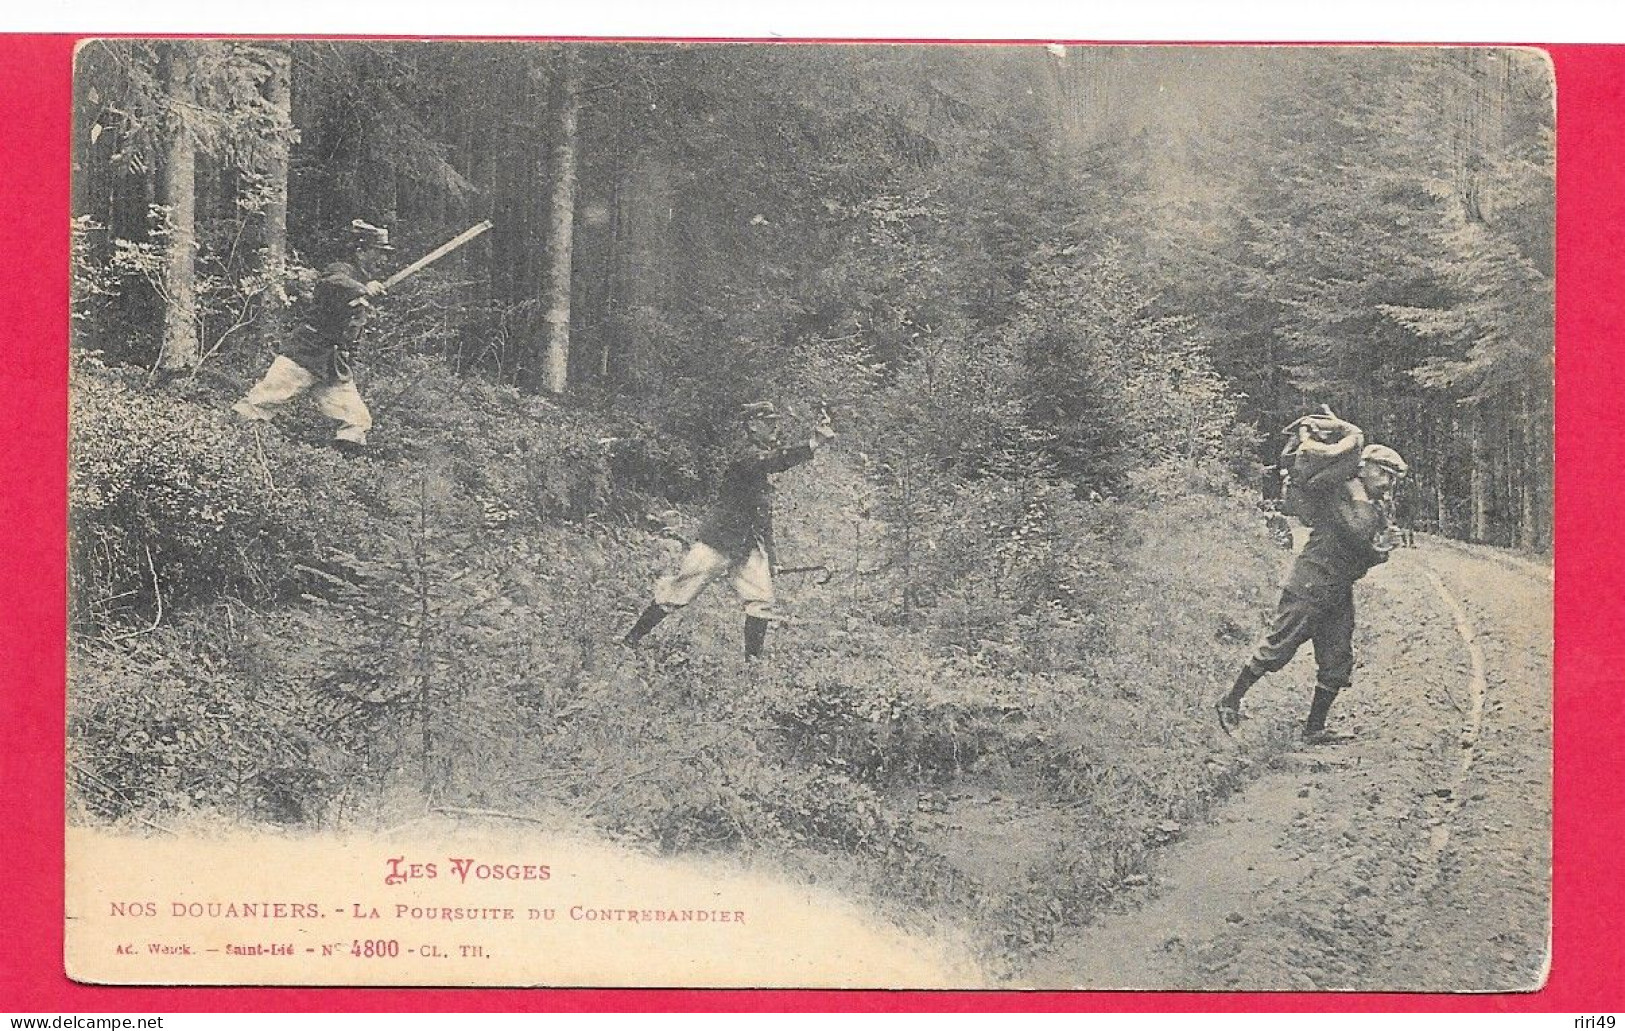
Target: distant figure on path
(316, 357)
(1403, 507)
(736, 537)
(1350, 534)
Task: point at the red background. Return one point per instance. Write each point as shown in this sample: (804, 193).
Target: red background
(1589, 818)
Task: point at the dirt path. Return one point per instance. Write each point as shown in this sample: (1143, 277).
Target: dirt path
(1416, 858)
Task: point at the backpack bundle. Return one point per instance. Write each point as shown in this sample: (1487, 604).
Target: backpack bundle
(1321, 452)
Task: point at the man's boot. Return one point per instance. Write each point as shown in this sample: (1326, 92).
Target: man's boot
(648, 621)
(1228, 708)
(1314, 729)
(755, 636)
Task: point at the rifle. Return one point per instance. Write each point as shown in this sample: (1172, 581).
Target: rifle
(433, 256)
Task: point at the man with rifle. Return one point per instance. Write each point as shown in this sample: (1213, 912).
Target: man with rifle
(317, 356)
(736, 537)
(1342, 485)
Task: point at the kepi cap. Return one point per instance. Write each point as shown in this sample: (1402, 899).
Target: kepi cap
(368, 235)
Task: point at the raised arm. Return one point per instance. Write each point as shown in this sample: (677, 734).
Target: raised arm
(786, 458)
(1328, 452)
(340, 275)
(344, 276)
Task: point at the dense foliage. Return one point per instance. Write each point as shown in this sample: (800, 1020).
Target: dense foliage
(1366, 228)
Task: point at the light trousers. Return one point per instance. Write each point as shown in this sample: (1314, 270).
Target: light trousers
(286, 379)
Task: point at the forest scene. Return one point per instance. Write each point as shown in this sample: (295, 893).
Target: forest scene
(1057, 305)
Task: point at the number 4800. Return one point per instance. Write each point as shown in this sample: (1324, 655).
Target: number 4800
(375, 948)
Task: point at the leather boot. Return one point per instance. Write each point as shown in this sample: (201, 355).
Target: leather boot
(1245, 679)
(755, 636)
(1228, 708)
(646, 622)
(1314, 728)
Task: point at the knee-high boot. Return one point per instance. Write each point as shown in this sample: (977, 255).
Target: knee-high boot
(1314, 728)
(755, 636)
(1245, 679)
(646, 622)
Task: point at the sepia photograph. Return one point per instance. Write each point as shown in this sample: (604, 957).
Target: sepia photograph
(811, 515)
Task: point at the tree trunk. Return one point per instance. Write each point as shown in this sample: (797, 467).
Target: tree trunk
(279, 96)
(1478, 484)
(180, 349)
(1441, 510)
(1440, 449)
(1535, 483)
(1548, 464)
(506, 210)
(614, 310)
(1520, 445)
(562, 228)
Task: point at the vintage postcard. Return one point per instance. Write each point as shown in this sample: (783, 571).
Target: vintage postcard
(811, 515)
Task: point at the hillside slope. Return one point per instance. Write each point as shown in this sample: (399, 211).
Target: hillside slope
(340, 644)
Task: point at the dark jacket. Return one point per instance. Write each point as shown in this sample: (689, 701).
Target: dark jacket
(332, 326)
(743, 512)
(1346, 541)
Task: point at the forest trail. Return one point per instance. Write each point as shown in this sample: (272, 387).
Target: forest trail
(1416, 857)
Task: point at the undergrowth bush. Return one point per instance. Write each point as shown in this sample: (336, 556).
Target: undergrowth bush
(173, 504)
(523, 454)
(180, 721)
(168, 489)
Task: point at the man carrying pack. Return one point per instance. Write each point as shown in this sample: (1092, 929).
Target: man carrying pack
(736, 537)
(316, 358)
(1349, 535)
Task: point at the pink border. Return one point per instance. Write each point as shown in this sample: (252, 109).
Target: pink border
(1589, 828)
